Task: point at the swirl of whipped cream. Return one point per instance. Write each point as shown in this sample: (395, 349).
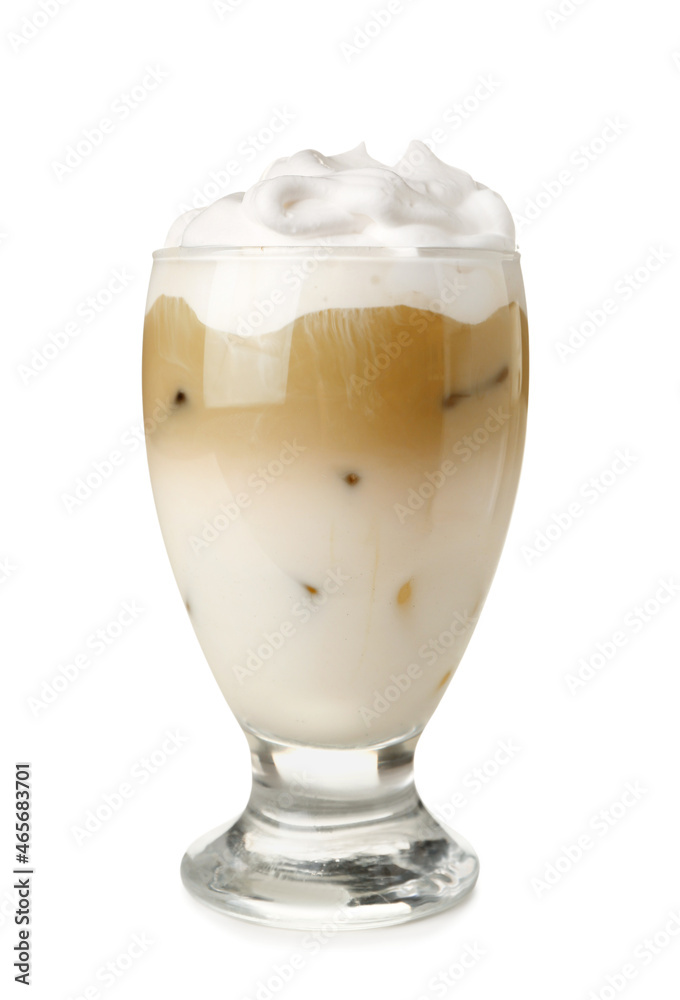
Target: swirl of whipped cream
(353, 200)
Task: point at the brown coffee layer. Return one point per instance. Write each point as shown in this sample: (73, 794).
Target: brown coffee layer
(386, 381)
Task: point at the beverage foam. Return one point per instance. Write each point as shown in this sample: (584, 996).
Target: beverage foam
(297, 237)
(354, 200)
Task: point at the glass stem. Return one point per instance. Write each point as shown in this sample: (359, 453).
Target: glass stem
(302, 788)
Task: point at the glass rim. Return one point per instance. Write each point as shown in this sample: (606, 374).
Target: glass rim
(336, 252)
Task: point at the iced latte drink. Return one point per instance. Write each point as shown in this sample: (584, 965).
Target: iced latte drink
(335, 371)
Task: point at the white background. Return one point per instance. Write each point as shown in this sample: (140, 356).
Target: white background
(66, 574)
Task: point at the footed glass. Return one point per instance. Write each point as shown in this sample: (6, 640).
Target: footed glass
(334, 437)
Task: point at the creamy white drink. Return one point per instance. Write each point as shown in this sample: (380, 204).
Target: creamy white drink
(335, 395)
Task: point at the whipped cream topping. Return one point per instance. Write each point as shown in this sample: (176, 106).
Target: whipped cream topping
(309, 199)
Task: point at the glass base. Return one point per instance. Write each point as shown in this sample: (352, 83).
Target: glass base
(331, 837)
